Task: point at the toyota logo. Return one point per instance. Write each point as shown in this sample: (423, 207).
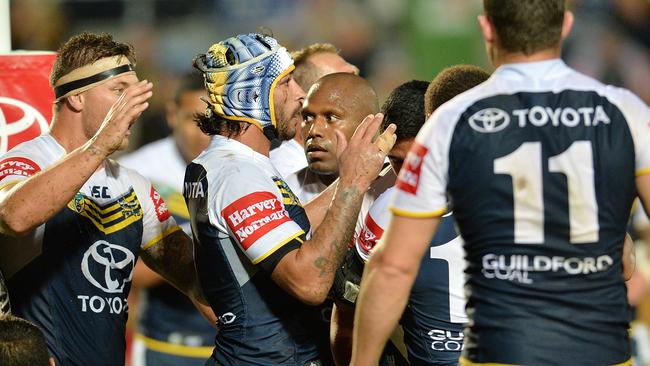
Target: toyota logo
(108, 266)
(20, 121)
(489, 120)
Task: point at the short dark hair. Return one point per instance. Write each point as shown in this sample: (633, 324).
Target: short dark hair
(450, 82)
(405, 108)
(22, 344)
(84, 49)
(190, 82)
(526, 26)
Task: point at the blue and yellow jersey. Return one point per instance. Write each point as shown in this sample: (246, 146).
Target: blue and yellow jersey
(71, 276)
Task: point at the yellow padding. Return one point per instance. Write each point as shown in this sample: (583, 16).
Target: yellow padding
(175, 349)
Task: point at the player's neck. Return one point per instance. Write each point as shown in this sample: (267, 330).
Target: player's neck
(327, 179)
(254, 138)
(66, 130)
(502, 57)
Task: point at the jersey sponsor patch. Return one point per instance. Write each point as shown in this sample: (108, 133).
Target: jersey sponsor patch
(18, 166)
(370, 234)
(409, 176)
(253, 216)
(159, 205)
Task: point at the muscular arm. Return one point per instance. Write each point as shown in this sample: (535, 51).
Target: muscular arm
(28, 204)
(386, 284)
(172, 258)
(307, 273)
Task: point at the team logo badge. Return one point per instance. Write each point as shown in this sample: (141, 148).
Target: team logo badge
(19, 122)
(489, 120)
(108, 266)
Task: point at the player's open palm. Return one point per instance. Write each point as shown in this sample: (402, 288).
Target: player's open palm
(122, 115)
(361, 159)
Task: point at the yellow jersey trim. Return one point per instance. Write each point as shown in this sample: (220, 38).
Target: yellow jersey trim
(272, 91)
(9, 184)
(278, 247)
(641, 172)
(158, 238)
(419, 215)
(175, 349)
(122, 213)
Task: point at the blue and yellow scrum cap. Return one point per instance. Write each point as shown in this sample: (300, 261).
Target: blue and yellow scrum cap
(240, 75)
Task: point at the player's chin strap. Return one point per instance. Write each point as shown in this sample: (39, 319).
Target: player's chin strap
(89, 76)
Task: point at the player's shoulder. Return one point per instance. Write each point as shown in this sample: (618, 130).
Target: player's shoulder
(30, 157)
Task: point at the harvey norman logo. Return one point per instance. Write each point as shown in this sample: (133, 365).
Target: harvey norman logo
(254, 215)
(491, 120)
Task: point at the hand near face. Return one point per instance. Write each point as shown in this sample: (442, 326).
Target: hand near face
(360, 159)
(125, 111)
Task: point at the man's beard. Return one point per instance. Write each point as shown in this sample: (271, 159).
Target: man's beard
(287, 127)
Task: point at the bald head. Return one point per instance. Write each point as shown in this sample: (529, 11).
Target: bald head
(351, 92)
(336, 102)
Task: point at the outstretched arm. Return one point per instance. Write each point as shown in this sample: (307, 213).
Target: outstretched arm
(386, 284)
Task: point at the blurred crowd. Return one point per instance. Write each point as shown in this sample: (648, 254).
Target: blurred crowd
(389, 40)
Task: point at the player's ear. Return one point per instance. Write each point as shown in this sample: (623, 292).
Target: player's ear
(567, 24)
(75, 102)
(487, 29)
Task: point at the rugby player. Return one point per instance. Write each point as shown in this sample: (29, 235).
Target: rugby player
(260, 264)
(22, 344)
(311, 63)
(74, 222)
(541, 164)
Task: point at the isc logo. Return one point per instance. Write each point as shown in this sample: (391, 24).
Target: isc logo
(99, 192)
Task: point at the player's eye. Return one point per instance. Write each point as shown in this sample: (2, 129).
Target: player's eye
(307, 118)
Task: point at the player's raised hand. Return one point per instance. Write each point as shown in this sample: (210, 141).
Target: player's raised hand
(361, 159)
(122, 115)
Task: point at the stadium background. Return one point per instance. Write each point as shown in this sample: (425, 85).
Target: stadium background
(391, 41)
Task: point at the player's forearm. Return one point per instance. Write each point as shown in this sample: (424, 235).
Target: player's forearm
(378, 313)
(173, 260)
(318, 258)
(316, 209)
(28, 204)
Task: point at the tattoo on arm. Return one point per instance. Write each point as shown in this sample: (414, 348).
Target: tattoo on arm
(337, 230)
(172, 258)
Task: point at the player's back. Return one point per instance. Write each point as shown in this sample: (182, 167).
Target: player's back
(434, 317)
(541, 173)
